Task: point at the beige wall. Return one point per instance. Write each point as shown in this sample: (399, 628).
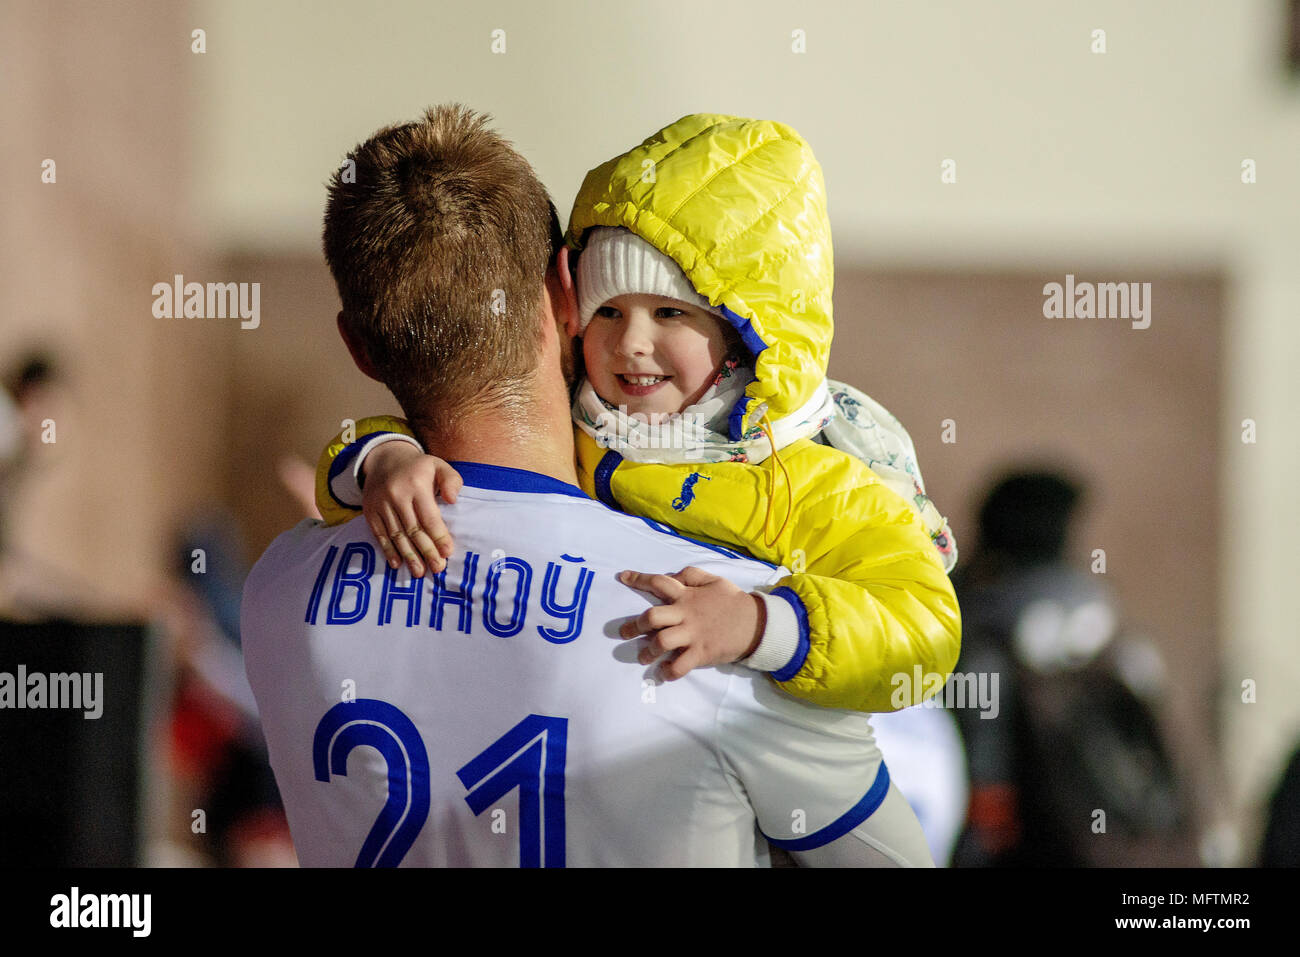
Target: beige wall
(104, 91)
(1131, 413)
(297, 384)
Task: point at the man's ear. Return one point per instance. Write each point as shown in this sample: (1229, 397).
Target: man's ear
(568, 297)
(357, 350)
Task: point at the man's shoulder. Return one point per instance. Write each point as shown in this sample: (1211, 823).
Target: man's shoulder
(665, 536)
(308, 533)
(294, 548)
(620, 533)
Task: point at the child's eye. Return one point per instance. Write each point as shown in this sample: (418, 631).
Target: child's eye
(668, 312)
(607, 312)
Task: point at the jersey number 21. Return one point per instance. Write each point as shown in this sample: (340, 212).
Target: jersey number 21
(530, 757)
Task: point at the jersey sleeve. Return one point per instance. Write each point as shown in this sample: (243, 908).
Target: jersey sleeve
(879, 624)
(334, 493)
(810, 774)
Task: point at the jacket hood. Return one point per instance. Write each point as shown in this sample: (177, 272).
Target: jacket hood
(740, 205)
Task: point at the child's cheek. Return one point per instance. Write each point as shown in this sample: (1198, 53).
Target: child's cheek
(594, 353)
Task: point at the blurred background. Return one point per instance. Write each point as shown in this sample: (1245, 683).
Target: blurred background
(973, 153)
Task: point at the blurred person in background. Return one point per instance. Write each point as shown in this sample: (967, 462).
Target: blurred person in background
(217, 757)
(1281, 843)
(31, 393)
(1076, 730)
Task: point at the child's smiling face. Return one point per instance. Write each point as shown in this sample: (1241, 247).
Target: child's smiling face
(652, 354)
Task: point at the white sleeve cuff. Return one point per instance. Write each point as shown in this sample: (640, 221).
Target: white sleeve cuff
(346, 486)
(780, 638)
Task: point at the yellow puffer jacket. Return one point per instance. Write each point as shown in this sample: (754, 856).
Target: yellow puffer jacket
(740, 206)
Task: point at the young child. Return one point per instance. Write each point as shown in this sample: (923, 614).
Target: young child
(704, 294)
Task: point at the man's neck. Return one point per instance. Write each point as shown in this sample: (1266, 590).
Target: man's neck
(541, 442)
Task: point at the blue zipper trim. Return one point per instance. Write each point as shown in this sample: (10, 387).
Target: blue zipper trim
(604, 475)
(755, 345)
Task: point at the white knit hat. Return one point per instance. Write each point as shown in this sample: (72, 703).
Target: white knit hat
(617, 262)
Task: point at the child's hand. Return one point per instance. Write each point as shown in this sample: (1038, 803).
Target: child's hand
(706, 620)
(398, 502)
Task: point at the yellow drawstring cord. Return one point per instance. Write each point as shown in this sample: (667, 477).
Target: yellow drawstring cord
(771, 487)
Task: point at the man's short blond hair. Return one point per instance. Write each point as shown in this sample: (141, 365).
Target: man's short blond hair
(439, 241)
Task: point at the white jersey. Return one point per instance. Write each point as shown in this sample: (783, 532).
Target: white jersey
(490, 715)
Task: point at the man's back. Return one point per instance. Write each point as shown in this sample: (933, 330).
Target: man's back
(492, 716)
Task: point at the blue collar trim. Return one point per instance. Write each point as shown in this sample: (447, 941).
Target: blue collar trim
(504, 479)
